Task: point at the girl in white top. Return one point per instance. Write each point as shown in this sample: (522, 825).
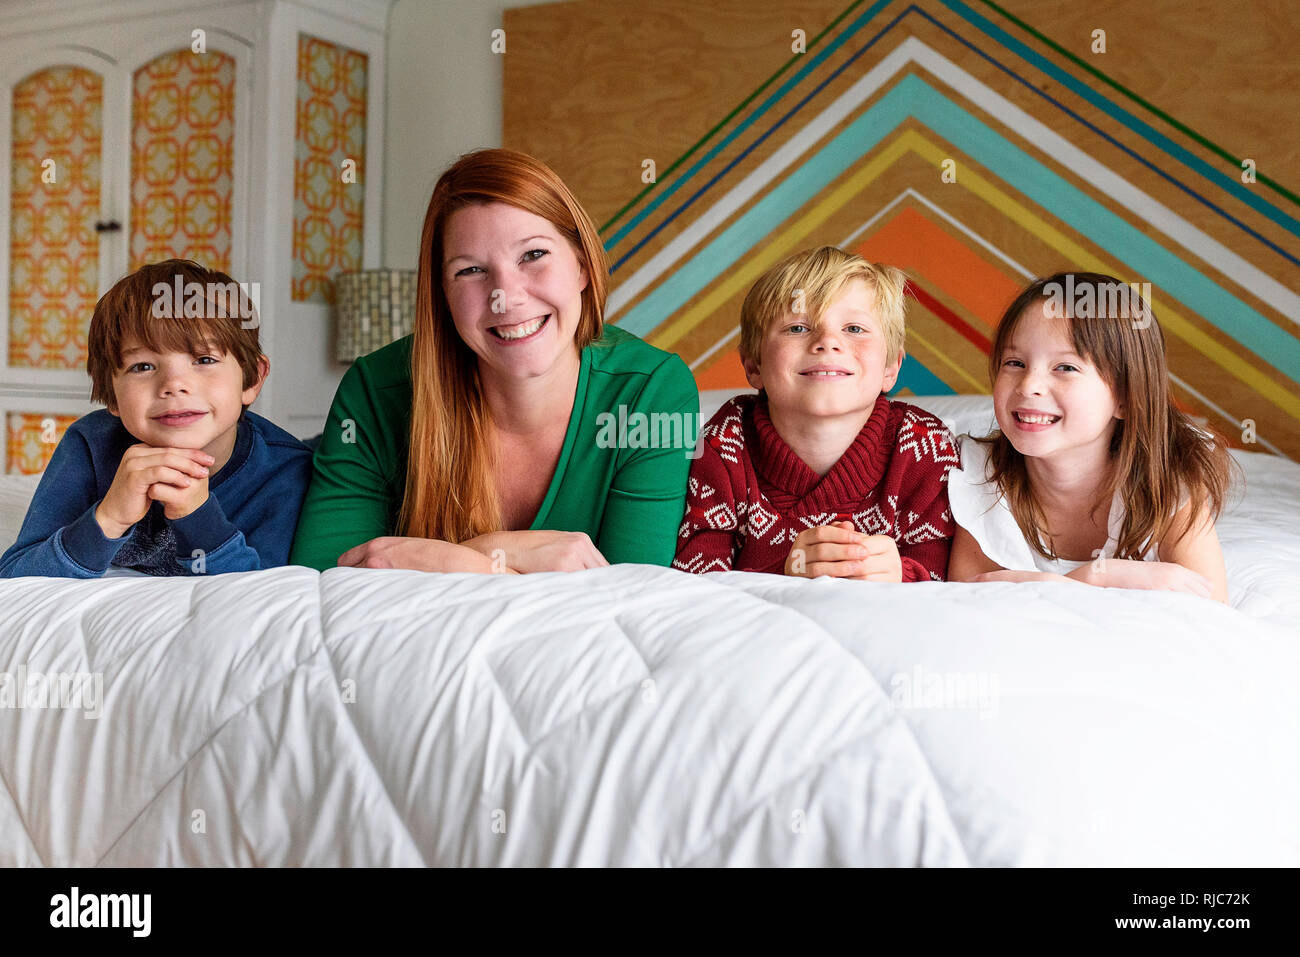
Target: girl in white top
(1093, 475)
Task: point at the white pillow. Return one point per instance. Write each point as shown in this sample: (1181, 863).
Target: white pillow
(972, 414)
(16, 493)
(711, 400)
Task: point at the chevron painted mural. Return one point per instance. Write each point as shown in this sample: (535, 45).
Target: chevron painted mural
(1050, 165)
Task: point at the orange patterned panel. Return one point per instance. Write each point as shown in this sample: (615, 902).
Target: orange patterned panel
(31, 440)
(182, 158)
(327, 194)
(53, 247)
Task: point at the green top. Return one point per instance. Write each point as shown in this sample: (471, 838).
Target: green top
(621, 475)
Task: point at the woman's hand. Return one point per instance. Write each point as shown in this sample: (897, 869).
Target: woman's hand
(1155, 576)
(538, 551)
(421, 554)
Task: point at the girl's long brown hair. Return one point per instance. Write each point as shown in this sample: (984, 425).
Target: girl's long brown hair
(450, 493)
(1158, 454)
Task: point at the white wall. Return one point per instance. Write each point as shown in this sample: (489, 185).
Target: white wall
(444, 98)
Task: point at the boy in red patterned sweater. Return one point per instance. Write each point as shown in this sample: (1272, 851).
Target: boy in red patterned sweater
(820, 474)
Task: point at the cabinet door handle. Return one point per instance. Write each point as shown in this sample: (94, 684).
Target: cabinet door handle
(111, 226)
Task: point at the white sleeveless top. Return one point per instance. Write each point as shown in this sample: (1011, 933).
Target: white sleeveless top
(979, 507)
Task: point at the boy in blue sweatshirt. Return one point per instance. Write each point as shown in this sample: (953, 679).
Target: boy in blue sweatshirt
(175, 476)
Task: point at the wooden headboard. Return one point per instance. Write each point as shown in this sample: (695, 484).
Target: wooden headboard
(973, 144)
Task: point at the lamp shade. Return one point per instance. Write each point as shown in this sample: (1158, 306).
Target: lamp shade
(375, 307)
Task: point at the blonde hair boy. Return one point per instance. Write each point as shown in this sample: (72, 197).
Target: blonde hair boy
(808, 281)
(820, 473)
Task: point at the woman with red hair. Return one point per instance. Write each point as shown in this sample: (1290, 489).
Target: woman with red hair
(481, 442)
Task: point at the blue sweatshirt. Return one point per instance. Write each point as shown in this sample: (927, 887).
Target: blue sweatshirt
(247, 522)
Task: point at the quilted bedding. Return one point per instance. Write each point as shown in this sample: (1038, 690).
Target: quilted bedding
(636, 715)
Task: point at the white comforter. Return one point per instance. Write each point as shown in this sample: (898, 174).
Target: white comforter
(635, 715)
(642, 716)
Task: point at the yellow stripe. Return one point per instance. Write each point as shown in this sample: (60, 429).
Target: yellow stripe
(979, 387)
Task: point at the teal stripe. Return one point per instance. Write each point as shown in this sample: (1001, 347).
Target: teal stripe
(915, 376)
(912, 96)
(1231, 183)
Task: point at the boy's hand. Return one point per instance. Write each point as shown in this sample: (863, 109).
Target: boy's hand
(143, 466)
(883, 563)
(179, 502)
(841, 552)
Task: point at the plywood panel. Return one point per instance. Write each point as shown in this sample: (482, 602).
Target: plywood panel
(1125, 161)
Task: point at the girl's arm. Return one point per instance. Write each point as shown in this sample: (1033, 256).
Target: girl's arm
(968, 563)
(1010, 576)
(967, 560)
(1190, 562)
(1194, 544)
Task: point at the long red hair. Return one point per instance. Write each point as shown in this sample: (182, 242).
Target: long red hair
(450, 492)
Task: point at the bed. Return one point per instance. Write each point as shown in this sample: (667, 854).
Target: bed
(641, 716)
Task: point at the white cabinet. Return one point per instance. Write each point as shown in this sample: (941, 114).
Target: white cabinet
(244, 135)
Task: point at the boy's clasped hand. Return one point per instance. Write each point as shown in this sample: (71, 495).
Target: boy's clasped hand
(176, 477)
(840, 551)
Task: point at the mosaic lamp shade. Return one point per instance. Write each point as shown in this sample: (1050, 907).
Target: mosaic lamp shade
(375, 307)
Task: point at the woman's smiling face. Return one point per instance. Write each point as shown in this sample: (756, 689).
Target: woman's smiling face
(514, 285)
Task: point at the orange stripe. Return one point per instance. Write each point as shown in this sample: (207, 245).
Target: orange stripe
(724, 372)
(915, 243)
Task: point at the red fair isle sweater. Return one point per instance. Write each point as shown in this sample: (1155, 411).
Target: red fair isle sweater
(749, 495)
